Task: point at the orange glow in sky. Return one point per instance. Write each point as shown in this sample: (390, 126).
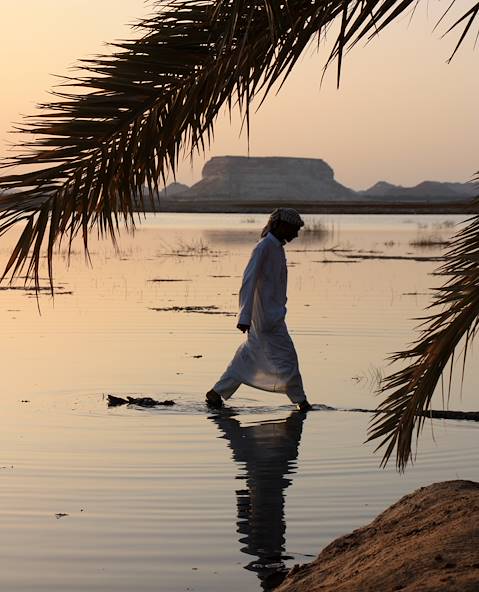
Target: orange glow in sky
(401, 114)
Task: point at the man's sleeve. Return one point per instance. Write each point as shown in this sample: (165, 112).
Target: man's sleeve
(248, 286)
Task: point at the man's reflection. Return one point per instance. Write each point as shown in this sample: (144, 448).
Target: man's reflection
(267, 453)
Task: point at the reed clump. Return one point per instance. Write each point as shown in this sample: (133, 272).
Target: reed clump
(431, 241)
(315, 227)
(193, 248)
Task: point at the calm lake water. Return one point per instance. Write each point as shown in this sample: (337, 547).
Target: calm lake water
(180, 498)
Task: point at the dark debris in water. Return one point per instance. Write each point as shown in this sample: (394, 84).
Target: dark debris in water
(56, 293)
(356, 256)
(114, 401)
(211, 309)
(431, 413)
(331, 250)
(335, 261)
(27, 289)
(393, 257)
(170, 280)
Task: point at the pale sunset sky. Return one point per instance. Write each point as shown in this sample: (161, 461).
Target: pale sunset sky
(401, 114)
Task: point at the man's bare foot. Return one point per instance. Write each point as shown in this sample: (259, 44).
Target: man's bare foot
(214, 400)
(305, 405)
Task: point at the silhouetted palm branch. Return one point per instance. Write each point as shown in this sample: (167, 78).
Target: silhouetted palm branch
(127, 119)
(456, 318)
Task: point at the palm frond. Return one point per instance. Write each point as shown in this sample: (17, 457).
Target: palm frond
(126, 119)
(454, 318)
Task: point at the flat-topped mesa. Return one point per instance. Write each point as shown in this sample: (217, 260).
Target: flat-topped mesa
(271, 178)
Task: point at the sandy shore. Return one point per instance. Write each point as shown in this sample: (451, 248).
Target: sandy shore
(427, 542)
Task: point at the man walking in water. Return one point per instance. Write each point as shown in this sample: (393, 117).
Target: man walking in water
(267, 360)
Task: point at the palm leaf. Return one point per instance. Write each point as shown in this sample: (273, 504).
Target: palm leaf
(454, 318)
(128, 117)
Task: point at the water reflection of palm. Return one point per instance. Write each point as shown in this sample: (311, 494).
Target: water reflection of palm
(267, 453)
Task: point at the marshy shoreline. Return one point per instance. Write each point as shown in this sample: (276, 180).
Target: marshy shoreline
(465, 207)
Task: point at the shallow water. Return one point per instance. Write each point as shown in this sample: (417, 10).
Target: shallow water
(178, 499)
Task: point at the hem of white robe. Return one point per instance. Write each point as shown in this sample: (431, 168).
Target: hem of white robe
(228, 384)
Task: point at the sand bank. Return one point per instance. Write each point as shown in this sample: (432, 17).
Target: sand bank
(428, 541)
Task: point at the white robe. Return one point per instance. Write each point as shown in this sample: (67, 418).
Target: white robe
(267, 360)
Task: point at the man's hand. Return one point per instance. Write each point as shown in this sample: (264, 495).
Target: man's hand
(243, 328)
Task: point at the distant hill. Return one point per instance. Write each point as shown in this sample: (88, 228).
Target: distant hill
(174, 189)
(427, 190)
(381, 188)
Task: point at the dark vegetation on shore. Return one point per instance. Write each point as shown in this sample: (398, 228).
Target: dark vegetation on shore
(465, 207)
